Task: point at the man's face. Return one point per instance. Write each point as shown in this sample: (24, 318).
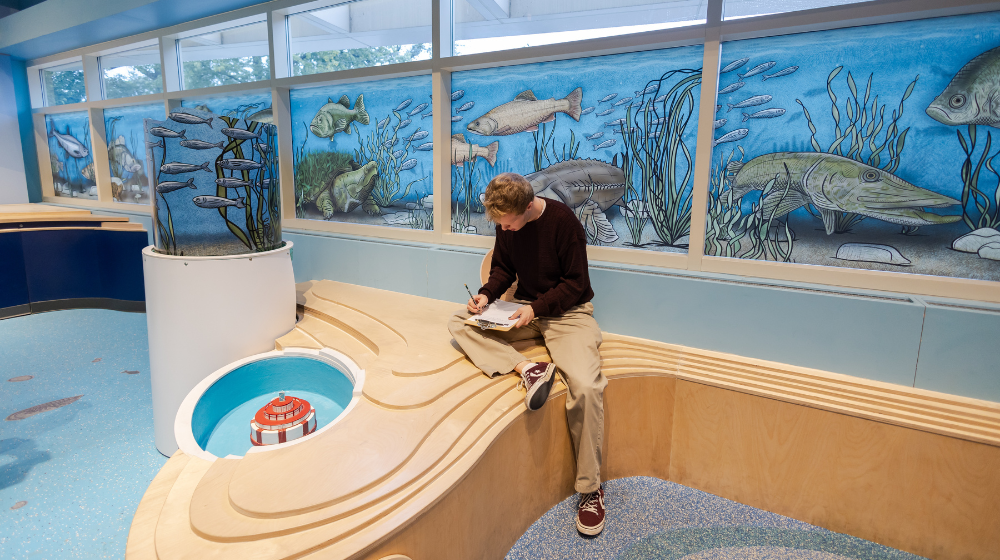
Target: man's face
(513, 222)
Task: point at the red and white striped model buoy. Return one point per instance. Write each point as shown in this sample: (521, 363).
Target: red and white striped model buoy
(283, 419)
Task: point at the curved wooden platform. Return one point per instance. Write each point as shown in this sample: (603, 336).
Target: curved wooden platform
(435, 453)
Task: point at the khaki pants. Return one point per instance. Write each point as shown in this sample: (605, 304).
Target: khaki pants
(572, 341)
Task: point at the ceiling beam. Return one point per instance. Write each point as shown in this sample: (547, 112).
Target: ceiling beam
(491, 9)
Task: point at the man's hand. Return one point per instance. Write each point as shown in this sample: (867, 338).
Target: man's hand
(477, 304)
(523, 315)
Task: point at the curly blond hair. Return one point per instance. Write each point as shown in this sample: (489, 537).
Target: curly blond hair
(507, 193)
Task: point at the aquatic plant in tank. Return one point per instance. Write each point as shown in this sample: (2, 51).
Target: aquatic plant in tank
(858, 148)
(216, 185)
(70, 157)
(364, 154)
(612, 137)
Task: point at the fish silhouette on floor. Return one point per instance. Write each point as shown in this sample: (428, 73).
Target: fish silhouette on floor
(130, 372)
(833, 184)
(95, 360)
(44, 407)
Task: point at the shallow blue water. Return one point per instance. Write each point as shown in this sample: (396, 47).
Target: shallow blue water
(232, 435)
(82, 468)
(221, 419)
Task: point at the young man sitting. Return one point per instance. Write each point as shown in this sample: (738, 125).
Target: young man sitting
(541, 244)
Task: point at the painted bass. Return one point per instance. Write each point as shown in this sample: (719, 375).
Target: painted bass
(973, 95)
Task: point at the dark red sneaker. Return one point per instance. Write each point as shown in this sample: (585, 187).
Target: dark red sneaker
(590, 513)
(537, 381)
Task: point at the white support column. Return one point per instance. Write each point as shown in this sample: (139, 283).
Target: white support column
(441, 103)
(277, 32)
(35, 88)
(281, 110)
(442, 31)
(169, 64)
(706, 134)
(99, 153)
(44, 164)
(92, 78)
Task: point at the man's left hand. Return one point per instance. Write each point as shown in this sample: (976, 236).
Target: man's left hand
(523, 315)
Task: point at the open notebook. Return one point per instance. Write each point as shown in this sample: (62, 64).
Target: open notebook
(496, 316)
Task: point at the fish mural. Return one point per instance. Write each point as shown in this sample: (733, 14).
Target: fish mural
(587, 133)
(368, 173)
(462, 151)
(865, 155)
(337, 116)
(525, 113)
(70, 157)
(215, 190)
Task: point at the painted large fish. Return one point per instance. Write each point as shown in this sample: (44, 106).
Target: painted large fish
(525, 113)
(973, 96)
(118, 152)
(462, 151)
(72, 146)
(263, 116)
(576, 181)
(337, 116)
(833, 184)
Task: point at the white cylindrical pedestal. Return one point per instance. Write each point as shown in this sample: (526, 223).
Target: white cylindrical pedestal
(205, 312)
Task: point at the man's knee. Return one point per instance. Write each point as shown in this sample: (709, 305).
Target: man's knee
(457, 322)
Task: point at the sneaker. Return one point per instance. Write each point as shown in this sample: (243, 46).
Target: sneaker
(590, 513)
(537, 379)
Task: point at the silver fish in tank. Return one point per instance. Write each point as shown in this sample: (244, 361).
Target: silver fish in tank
(72, 146)
(171, 186)
(239, 134)
(187, 118)
(217, 202)
(175, 167)
(232, 182)
(236, 164)
(201, 144)
(525, 113)
(167, 133)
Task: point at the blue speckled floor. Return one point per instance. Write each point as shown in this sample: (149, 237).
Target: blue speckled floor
(81, 468)
(652, 519)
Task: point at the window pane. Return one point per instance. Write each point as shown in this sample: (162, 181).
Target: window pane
(853, 148)
(64, 84)
(735, 9)
(132, 72)
(364, 153)
(256, 107)
(69, 155)
(494, 25)
(611, 137)
(230, 56)
(360, 34)
(127, 153)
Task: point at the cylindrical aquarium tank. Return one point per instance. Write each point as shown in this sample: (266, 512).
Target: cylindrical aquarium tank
(215, 181)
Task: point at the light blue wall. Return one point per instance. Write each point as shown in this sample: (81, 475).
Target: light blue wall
(873, 335)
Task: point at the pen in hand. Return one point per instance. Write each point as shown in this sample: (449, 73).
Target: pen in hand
(471, 297)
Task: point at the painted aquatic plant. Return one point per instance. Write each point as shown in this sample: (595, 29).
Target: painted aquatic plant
(471, 178)
(657, 158)
(546, 145)
(117, 168)
(261, 191)
(380, 146)
(980, 208)
(313, 170)
(755, 235)
(165, 231)
(859, 137)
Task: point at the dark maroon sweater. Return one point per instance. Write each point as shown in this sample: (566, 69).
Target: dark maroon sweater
(549, 259)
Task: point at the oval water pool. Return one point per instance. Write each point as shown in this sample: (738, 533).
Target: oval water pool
(221, 419)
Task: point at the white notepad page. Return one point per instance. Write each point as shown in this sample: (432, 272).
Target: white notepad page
(499, 312)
